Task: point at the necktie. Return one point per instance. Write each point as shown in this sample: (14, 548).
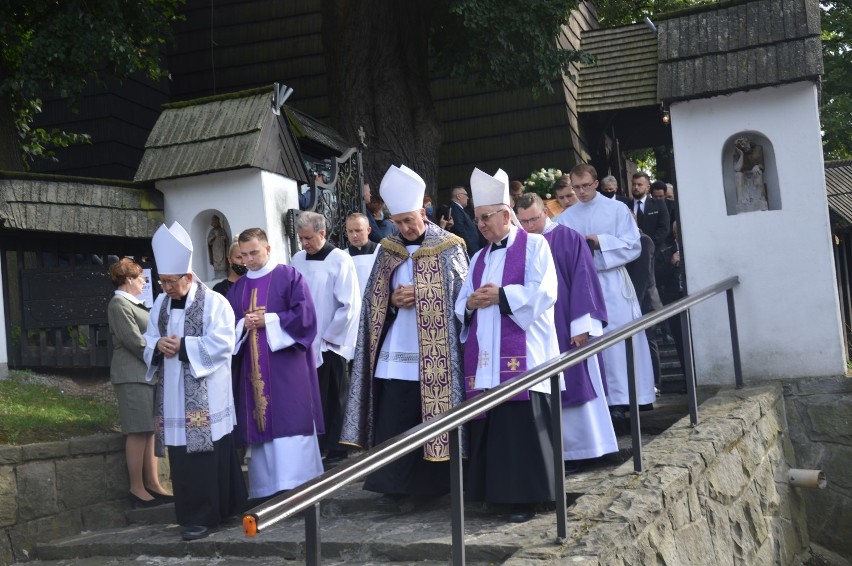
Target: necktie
(639, 212)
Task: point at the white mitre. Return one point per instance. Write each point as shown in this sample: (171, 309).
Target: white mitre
(487, 190)
(172, 250)
(402, 190)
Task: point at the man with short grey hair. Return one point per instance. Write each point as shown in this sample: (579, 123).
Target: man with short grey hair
(609, 186)
(333, 282)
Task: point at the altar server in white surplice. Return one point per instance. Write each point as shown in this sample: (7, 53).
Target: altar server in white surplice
(331, 277)
(609, 227)
(361, 249)
(188, 345)
(506, 305)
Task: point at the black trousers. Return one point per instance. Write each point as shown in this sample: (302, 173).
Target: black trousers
(208, 486)
(334, 389)
(397, 410)
(511, 454)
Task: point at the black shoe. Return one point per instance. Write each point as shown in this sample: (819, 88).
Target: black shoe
(162, 497)
(195, 532)
(390, 500)
(572, 467)
(521, 514)
(334, 458)
(136, 501)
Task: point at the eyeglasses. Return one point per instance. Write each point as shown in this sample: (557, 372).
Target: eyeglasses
(584, 186)
(165, 282)
(530, 221)
(484, 218)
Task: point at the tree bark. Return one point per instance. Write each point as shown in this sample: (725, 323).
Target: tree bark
(10, 149)
(377, 62)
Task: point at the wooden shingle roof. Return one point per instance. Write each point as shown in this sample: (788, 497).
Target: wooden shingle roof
(737, 45)
(218, 134)
(625, 75)
(53, 203)
(838, 187)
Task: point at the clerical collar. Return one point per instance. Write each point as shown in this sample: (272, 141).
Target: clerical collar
(418, 241)
(320, 255)
(367, 249)
(178, 303)
(501, 245)
(263, 271)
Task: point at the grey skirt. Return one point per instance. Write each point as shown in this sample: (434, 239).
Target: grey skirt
(135, 407)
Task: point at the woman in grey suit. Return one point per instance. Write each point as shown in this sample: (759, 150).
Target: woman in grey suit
(128, 319)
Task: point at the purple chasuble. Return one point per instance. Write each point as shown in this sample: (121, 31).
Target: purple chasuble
(513, 338)
(276, 393)
(579, 294)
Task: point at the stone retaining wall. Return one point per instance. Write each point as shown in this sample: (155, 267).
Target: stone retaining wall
(57, 489)
(713, 494)
(819, 413)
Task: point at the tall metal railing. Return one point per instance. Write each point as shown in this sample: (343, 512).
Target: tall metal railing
(308, 496)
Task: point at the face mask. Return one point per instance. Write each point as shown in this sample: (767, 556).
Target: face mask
(429, 211)
(239, 269)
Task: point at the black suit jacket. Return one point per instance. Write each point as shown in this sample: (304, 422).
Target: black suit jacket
(464, 228)
(655, 220)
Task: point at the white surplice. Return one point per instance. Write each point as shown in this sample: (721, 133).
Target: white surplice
(364, 266)
(399, 357)
(611, 221)
(337, 301)
(209, 359)
(531, 304)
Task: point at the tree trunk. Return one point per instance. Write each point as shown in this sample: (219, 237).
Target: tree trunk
(377, 62)
(10, 150)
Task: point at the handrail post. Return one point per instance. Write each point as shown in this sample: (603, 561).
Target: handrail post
(689, 369)
(735, 339)
(635, 429)
(313, 546)
(457, 495)
(558, 461)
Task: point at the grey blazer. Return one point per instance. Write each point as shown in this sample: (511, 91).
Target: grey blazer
(127, 324)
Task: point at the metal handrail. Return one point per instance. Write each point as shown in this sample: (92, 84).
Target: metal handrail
(308, 495)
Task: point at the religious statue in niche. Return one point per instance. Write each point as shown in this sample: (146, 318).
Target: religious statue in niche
(748, 176)
(217, 247)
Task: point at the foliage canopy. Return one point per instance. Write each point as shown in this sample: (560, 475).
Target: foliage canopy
(60, 45)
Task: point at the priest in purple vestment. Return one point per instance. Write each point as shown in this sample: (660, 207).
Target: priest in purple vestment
(587, 430)
(279, 413)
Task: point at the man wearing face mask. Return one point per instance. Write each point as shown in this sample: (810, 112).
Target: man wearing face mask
(235, 270)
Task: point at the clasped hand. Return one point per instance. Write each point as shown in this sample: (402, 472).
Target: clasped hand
(485, 296)
(403, 296)
(255, 320)
(169, 345)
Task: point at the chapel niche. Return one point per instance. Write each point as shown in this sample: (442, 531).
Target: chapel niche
(750, 174)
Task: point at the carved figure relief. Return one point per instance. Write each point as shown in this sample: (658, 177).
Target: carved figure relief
(749, 170)
(217, 247)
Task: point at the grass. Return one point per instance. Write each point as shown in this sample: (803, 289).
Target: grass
(37, 413)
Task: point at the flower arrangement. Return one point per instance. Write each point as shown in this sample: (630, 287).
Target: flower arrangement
(541, 182)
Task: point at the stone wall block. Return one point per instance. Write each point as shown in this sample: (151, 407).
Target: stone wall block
(80, 481)
(8, 496)
(763, 479)
(693, 544)
(45, 450)
(727, 479)
(721, 433)
(116, 482)
(11, 455)
(719, 524)
(96, 444)
(840, 385)
(830, 417)
(748, 529)
(36, 490)
(679, 513)
(27, 534)
(105, 515)
(7, 555)
(636, 507)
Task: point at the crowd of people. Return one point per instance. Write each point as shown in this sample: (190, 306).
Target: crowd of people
(288, 368)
